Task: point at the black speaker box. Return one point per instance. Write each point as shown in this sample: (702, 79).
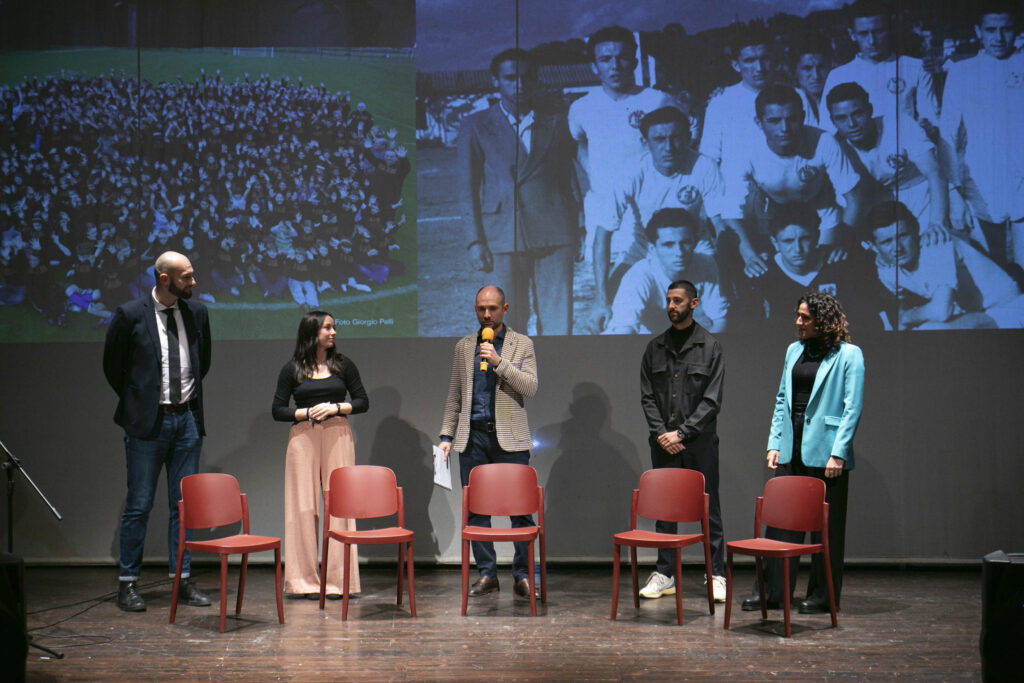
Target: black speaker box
(13, 636)
(1002, 617)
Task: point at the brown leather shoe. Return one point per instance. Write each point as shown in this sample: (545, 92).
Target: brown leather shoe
(522, 589)
(483, 586)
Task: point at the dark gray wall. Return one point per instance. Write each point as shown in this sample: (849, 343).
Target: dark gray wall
(939, 450)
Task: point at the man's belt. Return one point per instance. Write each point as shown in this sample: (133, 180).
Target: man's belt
(168, 409)
(482, 426)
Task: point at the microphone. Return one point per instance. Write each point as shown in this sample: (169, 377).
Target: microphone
(486, 335)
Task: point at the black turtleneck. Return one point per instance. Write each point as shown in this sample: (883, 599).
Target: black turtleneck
(679, 337)
(805, 370)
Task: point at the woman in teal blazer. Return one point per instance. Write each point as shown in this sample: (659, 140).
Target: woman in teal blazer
(817, 410)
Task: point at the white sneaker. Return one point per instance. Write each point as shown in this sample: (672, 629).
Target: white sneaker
(718, 588)
(658, 585)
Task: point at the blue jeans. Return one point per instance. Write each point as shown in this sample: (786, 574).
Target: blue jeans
(175, 448)
(482, 449)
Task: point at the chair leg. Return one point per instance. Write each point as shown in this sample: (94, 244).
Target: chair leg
(530, 580)
(409, 578)
(759, 570)
(401, 569)
(223, 590)
(785, 592)
(277, 585)
(177, 582)
(679, 587)
(636, 580)
(465, 575)
(345, 577)
(728, 590)
(616, 558)
(241, 583)
(323, 569)
(707, 573)
(543, 569)
(831, 588)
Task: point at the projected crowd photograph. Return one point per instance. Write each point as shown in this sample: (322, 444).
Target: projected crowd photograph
(281, 172)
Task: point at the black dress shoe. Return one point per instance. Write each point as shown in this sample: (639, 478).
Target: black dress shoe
(191, 596)
(814, 607)
(128, 598)
(522, 589)
(483, 586)
(753, 604)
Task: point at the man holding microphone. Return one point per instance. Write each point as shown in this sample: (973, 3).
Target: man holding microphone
(485, 421)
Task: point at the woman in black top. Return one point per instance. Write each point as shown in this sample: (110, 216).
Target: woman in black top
(326, 389)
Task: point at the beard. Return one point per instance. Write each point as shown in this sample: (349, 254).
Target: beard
(180, 293)
(680, 317)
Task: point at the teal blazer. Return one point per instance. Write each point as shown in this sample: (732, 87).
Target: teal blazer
(832, 412)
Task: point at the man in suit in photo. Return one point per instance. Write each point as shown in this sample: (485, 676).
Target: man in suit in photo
(156, 354)
(485, 419)
(518, 194)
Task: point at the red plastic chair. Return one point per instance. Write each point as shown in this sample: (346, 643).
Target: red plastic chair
(214, 500)
(364, 492)
(504, 490)
(671, 495)
(796, 504)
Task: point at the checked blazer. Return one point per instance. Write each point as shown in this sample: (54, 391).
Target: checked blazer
(516, 381)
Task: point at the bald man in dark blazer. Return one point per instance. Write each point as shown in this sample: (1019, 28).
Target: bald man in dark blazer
(518, 192)
(156, 354)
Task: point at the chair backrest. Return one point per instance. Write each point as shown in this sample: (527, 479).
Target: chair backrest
(794, 503)
(211, 499)
(672, 495)
(363, 491)
(503, 489)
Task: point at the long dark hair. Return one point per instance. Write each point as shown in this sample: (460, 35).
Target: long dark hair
(828, 318)
(306, 345)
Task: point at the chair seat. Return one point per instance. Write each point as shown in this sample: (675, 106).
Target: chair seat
(652, 539)
(767, 547)
(239, 543)
(388, 535)
(484, 533)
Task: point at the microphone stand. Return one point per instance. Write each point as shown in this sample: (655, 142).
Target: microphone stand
(9, 465)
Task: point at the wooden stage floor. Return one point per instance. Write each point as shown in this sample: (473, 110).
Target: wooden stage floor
(905, 624)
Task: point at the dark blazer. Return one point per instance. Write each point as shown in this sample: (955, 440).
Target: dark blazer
(690, 403)
(514, 200)
(131, 362)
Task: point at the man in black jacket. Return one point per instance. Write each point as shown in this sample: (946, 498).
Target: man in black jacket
(681, 379)
(156, 354)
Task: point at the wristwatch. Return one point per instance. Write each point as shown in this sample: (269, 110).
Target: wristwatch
(680, 433)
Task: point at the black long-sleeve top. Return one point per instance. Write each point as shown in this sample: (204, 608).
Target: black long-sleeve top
(805, 371)
(338, 388)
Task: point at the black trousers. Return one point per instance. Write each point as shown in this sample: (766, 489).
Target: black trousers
(835, 495)
(701, 454)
